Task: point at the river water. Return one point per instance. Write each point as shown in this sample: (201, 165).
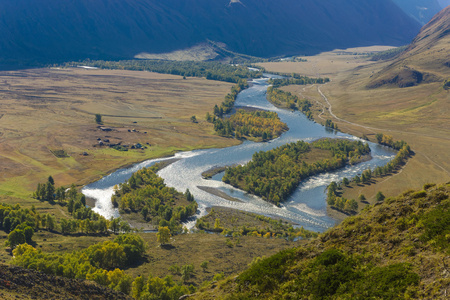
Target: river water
(306, 207)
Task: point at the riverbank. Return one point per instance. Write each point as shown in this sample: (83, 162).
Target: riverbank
(218, 193)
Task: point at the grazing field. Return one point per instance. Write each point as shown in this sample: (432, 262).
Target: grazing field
(420, 115)
(44, 111)
(326, 64)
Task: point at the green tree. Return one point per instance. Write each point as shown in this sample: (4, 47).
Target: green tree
(28, 231)
(133, 245)
(194, 119)
(108, 255)
(379, 137)
(345, 181)
(217, 224)
(72, 193)
(50, 222)
(204, 265)
(186, 272)
(144, 212)
(137, 287)
(15, 237)
(114, 224)
(98, 118)
(175, 269)
(379, 196)
(351, 205)
(163, 235)
(49, 192)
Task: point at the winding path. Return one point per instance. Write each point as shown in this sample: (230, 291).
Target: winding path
(329, 108)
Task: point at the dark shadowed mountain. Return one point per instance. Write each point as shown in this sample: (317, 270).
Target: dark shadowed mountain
(420, 10)
(444, 3)
(425, 60)
(112, 29)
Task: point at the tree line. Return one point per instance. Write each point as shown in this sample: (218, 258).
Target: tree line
(284, 99)
(228, 103)
(297, 80)
(334, 198)
(145, 192)
(208, 69)
(275, 174)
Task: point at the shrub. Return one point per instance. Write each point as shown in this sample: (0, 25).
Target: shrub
(267, 273)
(388, 282)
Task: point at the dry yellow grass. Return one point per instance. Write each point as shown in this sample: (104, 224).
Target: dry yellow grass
(51, 109)
(419, 115)
(326, 64)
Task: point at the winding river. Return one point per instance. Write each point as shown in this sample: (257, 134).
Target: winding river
(306, 207)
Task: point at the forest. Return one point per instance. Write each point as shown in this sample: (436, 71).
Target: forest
(259, 125)
(147, 194)
(275, 174)
(208, 69)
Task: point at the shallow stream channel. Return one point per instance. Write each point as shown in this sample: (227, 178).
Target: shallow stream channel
(306, 206)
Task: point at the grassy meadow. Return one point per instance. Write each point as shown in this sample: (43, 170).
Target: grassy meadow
(43, 110)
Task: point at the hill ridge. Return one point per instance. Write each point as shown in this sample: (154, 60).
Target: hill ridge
(117, 29)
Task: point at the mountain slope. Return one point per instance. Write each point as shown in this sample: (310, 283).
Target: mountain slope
(444, 3)
(393, 250)
(74, 29)
(420, 10)
(426, 59)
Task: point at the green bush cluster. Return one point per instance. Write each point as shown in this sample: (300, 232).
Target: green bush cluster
(258, 124)
(332, 274)
(159, 288)
(99, 262)
(437, 227)
(208, 69)
(146, 192)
